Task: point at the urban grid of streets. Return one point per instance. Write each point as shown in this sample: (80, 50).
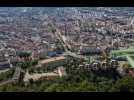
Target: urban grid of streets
(82, 32)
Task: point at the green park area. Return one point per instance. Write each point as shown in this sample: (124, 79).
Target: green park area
(128, 53)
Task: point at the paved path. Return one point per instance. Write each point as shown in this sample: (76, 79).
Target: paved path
(35, 76)
(75, 55)
(7, 82)
(3, 71)
(15, 77)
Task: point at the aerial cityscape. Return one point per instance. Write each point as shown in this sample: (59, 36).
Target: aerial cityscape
(66, 49)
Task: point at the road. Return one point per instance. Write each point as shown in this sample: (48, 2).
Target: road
(17, 72)
(6, 82)
(66, 46)
(3, 71)
(75, 55)
(36, 76)
(62, 39)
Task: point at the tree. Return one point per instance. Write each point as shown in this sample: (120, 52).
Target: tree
(24, 54)
(25, 65)
(6, 75)
(89, 60)
(55, 87)
(104, 84)
(5, 88)
(85, 86)
(125, 84)
(34, 62)
(31, 81)
(44, 85)
(11, 88)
